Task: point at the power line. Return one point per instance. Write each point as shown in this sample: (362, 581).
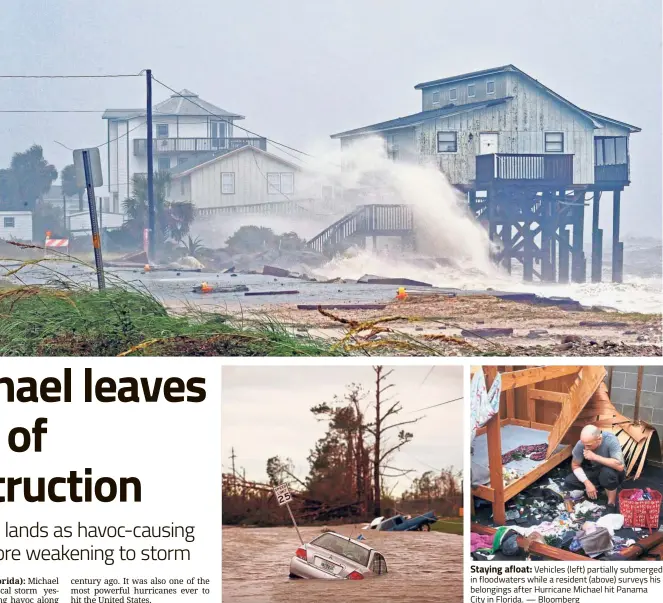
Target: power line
(67, 77)
(49, 111)
(439, 404)
(221, 118)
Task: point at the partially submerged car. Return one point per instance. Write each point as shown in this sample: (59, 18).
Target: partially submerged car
(403, 523)
(336, 557)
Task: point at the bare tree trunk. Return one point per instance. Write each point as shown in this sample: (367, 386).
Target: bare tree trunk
(377, 492)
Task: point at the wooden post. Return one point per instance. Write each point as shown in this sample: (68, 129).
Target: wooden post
(616, 247)
(528, 252)
(494, 437)
(506, 242)
(564, 248)
(638, 389)
(544, 219)
(597, 240)
(578, 255)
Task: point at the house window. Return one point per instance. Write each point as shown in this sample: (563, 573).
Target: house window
(287, 183)
(10, 222)
(116, 203)
(181, 160)
(447, 142)
(490, 87)
(283, 183)
(471, 90)
(611, 150)
(436, 98)
(162, 130)
(227, 183)
(392, 147)
(554, 142)
(163, 164)
(453, 95)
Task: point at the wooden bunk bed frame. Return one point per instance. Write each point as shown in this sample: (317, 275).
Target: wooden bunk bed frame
(537, 382)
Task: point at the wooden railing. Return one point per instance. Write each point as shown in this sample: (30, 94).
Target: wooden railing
(366, 220)
(186, 145)
(272, 208)
(611, 173)
(544, 169)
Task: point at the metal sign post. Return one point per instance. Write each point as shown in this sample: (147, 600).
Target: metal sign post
(96, 238)
(283, 497)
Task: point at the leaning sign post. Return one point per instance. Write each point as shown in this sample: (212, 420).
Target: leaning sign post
(87, 164)
(283, 497)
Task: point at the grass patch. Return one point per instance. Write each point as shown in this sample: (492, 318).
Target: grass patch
(448, 526)
(46, 321)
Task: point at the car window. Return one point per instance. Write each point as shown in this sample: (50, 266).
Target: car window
(344, 548)
(398, 520)
(379, 565)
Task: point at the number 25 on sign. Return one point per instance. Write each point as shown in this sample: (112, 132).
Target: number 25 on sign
(282, 493)
(283, 497)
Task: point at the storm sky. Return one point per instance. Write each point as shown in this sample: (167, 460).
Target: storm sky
(301, 70)
(266, 412)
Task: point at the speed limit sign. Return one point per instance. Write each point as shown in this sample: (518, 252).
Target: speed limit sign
(282, 493)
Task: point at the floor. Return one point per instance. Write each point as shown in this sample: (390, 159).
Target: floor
(651, 477)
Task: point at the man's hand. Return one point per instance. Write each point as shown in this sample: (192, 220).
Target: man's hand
(591, 490)
(589, 455)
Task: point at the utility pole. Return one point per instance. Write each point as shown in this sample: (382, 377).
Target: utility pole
(233, 457)
(151, 220)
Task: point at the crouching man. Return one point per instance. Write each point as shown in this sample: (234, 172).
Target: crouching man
(597, 462)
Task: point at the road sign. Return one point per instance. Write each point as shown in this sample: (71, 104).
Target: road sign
(282, 493)
(283, 497)
(96, 175)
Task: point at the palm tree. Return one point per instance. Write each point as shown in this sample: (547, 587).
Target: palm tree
(173, 219)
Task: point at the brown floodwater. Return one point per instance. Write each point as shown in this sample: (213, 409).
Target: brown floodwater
(422, 567)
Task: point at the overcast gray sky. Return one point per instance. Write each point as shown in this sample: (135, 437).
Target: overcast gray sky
(266, 412)
(301, 70)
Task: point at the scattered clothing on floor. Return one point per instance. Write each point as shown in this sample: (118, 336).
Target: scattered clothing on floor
(480, 541)
(534, 452)
(612, 522)
(596, 542)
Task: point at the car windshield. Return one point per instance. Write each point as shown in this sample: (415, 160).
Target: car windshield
(344, 548)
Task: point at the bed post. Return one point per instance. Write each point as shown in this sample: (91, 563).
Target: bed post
(494, 437)
(510, 398)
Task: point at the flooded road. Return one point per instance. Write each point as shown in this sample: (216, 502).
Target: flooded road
(422, 567)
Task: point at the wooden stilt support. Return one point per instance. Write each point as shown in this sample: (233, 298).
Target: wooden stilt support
(546, 218)
(578, 255)
(617, 247)
(507, 244)
(597, 240)
(564, 250)
(528, 253)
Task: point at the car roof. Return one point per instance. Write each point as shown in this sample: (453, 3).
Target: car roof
(361, 544)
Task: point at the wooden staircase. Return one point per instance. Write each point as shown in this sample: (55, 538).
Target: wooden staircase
(365, 221)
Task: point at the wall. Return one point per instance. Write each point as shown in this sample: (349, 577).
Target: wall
(624, 383)
(521, 124)
(461, 92)
(124, 164)
(250, 169)
(22, 230)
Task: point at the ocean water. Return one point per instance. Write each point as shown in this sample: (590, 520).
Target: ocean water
(641, 291)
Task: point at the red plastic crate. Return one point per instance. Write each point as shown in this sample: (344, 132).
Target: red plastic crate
(640, 513)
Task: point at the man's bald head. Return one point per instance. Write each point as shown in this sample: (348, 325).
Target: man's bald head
(591, 437)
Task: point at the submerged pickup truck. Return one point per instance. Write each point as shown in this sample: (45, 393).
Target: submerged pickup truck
(404, 523)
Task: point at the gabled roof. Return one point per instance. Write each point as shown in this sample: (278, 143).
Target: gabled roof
(222, 156)
(184, 103)
(512, 69)
(594, 117)
(417, 118)
(629, 127)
